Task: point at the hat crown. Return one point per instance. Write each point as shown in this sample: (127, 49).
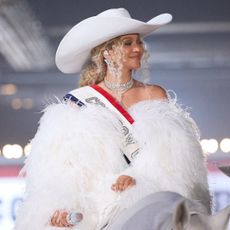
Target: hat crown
(120, 12)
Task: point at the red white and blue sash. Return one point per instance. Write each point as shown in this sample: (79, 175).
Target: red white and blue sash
(94, 94)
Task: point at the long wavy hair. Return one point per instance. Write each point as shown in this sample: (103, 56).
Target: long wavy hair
(95, 69)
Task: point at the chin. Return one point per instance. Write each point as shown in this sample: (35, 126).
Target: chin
(135, 67)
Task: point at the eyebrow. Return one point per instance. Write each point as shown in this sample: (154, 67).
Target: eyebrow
(129, 37)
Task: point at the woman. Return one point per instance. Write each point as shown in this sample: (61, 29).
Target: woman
(113, 141)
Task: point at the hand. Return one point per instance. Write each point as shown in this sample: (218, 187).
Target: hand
(59, 219)
(123, 182)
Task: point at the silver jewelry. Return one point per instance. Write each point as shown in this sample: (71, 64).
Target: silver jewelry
(73, 218)
(112, 67)
(119, 86)
(108, 62)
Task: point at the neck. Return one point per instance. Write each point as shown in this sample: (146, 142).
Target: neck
(120, 77)
(120, 83)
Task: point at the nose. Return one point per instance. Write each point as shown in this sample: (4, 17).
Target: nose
(137, 47)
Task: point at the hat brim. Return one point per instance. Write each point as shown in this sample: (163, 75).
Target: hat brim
(75, 47)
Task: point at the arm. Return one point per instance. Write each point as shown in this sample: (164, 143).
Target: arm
(61, 167)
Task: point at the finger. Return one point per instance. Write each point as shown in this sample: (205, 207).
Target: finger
(130, 183)
(127, 183)
(59, 219)
(56, 214)
(59, 223)
(120, 186)
(55, 222)
(54, 218)
(115, 187)
(52, 221)
(63, 220)
(124, 182)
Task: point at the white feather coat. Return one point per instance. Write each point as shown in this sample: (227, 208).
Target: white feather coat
(76, 157)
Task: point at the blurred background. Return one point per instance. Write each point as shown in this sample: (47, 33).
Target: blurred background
(190, 56)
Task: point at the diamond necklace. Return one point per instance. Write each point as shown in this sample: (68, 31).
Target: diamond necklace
(119, 86)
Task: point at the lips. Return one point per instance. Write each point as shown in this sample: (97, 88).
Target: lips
(135, 57)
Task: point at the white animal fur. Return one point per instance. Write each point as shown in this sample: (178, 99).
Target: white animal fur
(76, 157)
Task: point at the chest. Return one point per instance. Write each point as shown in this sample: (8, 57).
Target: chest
(131, 97)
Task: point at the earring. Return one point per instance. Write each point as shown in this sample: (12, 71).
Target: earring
(111, 66)
(108, 62)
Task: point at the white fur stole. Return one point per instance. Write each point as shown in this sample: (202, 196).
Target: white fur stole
(76, 157)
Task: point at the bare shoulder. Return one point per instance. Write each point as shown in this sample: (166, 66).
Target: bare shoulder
(152, 91)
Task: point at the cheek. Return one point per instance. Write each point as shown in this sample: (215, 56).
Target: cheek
(121, 55)
(125, 53)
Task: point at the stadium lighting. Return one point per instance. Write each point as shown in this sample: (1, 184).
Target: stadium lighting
(225, 145)
(209, 146)
(27, 149)
(12, 151)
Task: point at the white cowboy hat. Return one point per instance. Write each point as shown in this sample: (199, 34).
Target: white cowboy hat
(74, 49)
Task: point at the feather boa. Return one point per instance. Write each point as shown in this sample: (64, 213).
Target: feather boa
(76, 158)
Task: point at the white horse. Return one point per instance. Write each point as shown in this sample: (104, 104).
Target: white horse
(170, 211)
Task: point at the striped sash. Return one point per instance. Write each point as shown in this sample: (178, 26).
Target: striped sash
(94, 94)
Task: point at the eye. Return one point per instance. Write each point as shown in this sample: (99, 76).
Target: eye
(140, 42)
(127, 43)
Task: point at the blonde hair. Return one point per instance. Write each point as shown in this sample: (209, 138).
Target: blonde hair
(95, 69)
